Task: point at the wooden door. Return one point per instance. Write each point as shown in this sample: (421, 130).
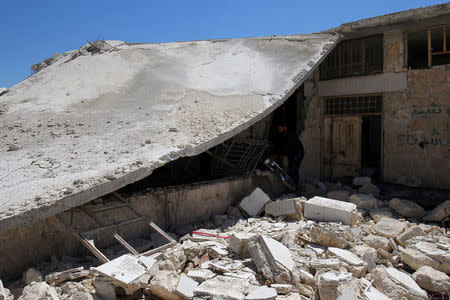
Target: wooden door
(342, 146)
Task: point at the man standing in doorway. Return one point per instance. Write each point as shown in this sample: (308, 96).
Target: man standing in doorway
(287, 146)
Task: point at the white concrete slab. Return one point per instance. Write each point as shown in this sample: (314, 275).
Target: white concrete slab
(125, 268)
(329, 210)
(88, 125)
(279, 252)
(346, 256)
(254, 203)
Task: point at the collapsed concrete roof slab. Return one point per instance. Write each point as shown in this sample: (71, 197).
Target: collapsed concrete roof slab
(94, 120)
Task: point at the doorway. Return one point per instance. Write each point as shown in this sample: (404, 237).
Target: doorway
(371, 147)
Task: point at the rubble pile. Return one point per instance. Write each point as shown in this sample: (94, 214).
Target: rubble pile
(321, 248)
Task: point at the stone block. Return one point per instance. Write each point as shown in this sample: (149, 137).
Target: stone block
(369, 188)
(341, 195)
(406, 208)
(439, 213)
(254, 203)
(378, 213)
(262, 293)
(363, 201)
(238, 243)
(327, 238)
(164, 285)
(397, 285)
(376, 241)
(39, 290)
(361, 181)
(201, 274)
(186, 287)
(283, 289)
(389, 228)
(281, 208)
(329, 210)
(224, 287)
(409, 234)
(432, 280)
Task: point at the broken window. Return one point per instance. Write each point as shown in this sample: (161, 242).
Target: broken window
(354, 57)
(429, 47)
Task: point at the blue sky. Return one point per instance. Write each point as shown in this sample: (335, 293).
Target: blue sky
(31, 31)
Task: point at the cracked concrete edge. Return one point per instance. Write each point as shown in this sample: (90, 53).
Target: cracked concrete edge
(87, 195)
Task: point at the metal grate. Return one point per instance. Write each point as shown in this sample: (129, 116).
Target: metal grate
(353, 105)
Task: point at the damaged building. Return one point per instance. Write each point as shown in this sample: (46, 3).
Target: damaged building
(117, 155)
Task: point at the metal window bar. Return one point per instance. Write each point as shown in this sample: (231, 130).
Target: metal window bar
(353, 105)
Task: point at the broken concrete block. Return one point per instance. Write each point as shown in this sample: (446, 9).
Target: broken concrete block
(39, 290)
(329, 210)
(70, 288)
(226, 265)
(325, 263)
(104, 288)
(361, 180)
(353, 263)
(201, 274)
(363, 201)
(432, 280)
(406, 208)
(164, 285)
(367, 254)
(327, 238)
(397, 285)
(332, 284)
(262, 293)
(31, 275)
(341, 195)
(224, 287)
(378, 213)
(254, 203)
(376, 241)
(389, 228)
(238, 243)
(202, 235)
(5, 294)
(283, 289)
(434, 251)
(416, 259)
(409, 234)
(439, 213)
(271, 258)
(373, 294)
(369, 188)
(186, 287)
(291, 208)
(57, 278)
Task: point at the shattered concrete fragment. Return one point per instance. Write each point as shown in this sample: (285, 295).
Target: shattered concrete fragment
(409, 234)
(378, 213)
(346, 256)
(224, 287)
(227, 265)
(283, 289)
(332, 284)
(373, 294)
(291, 208)
(341, 195)
(262, 293)
(431, 279)
(397, 285)
(376, 241)
(39, 290)
(254, 203)
(5, 294)
(71, 274)
(325, 263)
(369, 188)
(31, 275)
(363, 201)
(416, 259)
(439, 213)
(238, 243)
(164, 285)
(104, 288)
(201, 274)
(327, 238)
(186, 287)
(389, 227)
(406, 208)
(361, 180)
(324, 209)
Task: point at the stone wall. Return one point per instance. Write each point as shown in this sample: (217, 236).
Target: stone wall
(416, 130)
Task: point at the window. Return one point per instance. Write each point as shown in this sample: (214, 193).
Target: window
(354, 57)
(353, 105)
(429, 47)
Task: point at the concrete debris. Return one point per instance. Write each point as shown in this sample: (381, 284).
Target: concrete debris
(369, 188)
(389, 227)
(5, 294)
(291, 208)
(262, 293)
(361, 181)
(439, 213)
(341, 195)
(186, 287)
(379, 213)
(363, 201)
(397, 284)
(432, 280)
(324, 209)
(254, 203)
(32, 275)
(334, 254)
(406, 208)
(39, 290)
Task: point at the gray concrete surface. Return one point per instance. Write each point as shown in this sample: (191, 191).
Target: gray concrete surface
(87, 124)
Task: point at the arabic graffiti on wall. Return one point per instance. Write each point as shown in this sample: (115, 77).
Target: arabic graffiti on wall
(433, 109)
(436, 137)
